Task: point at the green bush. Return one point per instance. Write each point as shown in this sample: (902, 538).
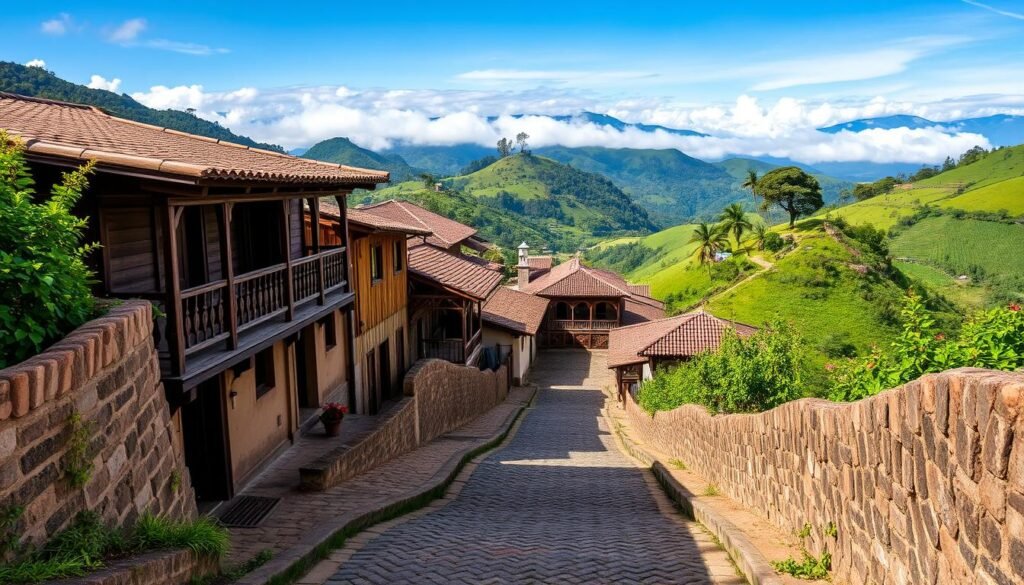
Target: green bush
(44, 282)
(773, 242)
(990, 339)
(744, 375)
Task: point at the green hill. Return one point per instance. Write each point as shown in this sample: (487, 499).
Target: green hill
(37, 82)
(442, 161)
(344, 151)
(532, 198)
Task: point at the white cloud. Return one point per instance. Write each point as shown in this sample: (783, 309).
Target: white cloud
(100, 82)
(183, 47)
(36, 63)
(127, 31)
(552, 76)
(378, 118)
(999, 11)
(57, 26)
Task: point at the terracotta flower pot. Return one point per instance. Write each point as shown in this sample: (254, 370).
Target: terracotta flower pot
(332, 428)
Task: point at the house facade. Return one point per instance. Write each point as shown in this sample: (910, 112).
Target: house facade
(254, 311)
(511, 321)
(585, 303)
(636, 351)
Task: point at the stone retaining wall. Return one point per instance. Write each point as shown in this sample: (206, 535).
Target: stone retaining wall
(925, 482)
(439, 397)
(177, 567)
(107, 372)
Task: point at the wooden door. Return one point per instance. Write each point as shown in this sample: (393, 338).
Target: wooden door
(372, 383)
(204, 431)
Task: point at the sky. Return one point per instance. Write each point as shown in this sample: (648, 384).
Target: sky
(758, 77)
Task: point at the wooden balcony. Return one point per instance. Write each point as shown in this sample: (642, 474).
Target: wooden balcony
(457, 351)
(573, 325)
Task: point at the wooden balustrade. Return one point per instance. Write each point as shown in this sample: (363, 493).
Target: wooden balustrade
(203, 317)
(452, 350)
(571, 325)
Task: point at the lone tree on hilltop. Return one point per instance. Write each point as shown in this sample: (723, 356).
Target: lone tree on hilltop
(505, 147)
(734, 219)
(521, 139)
(710, 238)
(793, 190)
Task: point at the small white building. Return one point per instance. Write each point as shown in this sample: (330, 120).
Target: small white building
(510, 323)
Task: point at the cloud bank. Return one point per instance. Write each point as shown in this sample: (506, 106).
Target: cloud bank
(379, 118)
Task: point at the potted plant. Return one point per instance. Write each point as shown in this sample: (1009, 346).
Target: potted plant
(331, 417)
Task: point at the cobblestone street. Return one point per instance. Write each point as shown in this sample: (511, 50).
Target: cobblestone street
(558, 504)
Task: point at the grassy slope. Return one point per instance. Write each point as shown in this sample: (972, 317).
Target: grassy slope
(959, 245)
(344, 151)
(1008, 195)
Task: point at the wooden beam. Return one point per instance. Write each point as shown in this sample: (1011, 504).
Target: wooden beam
(175, 337)
(286, 248)
(314, 232)
(228, 269)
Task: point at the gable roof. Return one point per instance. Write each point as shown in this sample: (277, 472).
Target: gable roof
(514, 310)
(452, 272)
(574, 279)
(540, 262)
(368, 221)
(446, 232)
(676, 337)
(80, 133)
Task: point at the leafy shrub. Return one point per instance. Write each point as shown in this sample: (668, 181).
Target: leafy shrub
(44, 282)
(204, 536)
(773, 242)
(745, 375)
(990, 339)
(808, 568)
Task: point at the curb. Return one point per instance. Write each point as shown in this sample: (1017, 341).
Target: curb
(291, 564)
(750, 562)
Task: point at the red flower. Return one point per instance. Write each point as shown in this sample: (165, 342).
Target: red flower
(830, 367)
(1015, 307)
(940, 336)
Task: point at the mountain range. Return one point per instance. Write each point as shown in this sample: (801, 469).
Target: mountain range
(1000, 129)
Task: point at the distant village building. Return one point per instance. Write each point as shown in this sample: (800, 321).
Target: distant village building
(636, 351)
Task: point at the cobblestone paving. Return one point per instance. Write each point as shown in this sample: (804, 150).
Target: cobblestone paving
(558, 504)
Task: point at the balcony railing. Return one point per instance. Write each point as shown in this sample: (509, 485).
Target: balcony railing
(572, 325)
(456, 351)
(256, 296)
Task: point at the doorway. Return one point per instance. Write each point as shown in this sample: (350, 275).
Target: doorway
(372, 386)
(384, 371)
(204, 431)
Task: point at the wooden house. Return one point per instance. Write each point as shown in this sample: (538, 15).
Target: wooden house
(511, 322)
(379, 257)
(254, 311)
(636, 351)
(586, 303)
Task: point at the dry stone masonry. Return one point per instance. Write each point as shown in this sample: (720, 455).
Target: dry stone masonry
(925, 482)
(106, 372)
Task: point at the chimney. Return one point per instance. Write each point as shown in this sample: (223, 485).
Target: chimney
(524, 265)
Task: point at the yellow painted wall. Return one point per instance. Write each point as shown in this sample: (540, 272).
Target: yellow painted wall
(371, 339)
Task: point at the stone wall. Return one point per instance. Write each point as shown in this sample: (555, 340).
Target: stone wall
(107, 372)
(925, 482)
(439, 397)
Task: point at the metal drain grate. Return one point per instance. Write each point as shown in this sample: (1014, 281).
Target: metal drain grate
(248, 511)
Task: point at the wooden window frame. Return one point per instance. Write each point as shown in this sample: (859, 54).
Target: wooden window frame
(330, 326)
(264, 375)
(376, 263)
(398, 261)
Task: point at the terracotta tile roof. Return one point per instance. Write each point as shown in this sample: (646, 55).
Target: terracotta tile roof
(368, 221)
(638, 311)
(514, 310)
(540, 262)
(452, 272)
(574, 279)
(675, 337)
(446, 232)
(485, 263)
(81, 133)
(643, 290)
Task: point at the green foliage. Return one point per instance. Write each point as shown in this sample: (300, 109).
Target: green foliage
(795, 191)
(809, 567)
(711, 490)
(710, 239)
(87, 544)
(831, 530)
(744, 375)
(990, 339)
(862, 191)
(677, 464)
(805, 531)
(622, 259)
(344, 151)
(733, 219)
(773, 242)
(78, 464)
(36, 81)
(10, 542)
(44, 281)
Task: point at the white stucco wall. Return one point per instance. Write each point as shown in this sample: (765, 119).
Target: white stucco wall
(523, 349)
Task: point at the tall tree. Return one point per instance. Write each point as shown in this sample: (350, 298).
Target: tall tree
(793, 190)
(521, 139)
(710, 238)
(734, 219)
(504, 147)
(760, 235)
(429, 181)
(751, 183)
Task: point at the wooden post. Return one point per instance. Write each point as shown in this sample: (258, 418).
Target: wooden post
(286, 247)
(352, 314)
(228, 268)
(176, 338)
(314, 231)
(343, 212)
(465, 338)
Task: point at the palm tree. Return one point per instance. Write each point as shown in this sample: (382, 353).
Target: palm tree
(710, 239)
(734, 219)
(751, 183)
(760, 233)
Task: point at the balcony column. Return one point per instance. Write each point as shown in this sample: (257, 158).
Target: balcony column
(287, 250)
(314, 232)
(175, 337)
(351, 315)
(228, 268)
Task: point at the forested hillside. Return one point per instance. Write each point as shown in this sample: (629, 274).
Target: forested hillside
(344, 151)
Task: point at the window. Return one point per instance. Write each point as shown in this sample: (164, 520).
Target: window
(265, 379)
(581, 312)
(561, 311)
(605, 311)
(399, 257)
(376, 262)
(330, 331)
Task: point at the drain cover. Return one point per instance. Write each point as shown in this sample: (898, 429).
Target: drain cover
(248, 511)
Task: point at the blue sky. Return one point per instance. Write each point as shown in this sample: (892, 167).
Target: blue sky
(773, 67)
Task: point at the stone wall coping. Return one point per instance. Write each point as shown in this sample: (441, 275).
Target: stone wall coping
(163, 567)
(74, 360)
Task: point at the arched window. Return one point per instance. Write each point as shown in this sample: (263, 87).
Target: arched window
(562, 311)
(581, 312)
(604, 311)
